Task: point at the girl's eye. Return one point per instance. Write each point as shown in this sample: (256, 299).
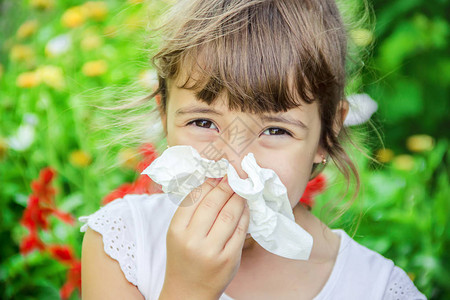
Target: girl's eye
(276, 131)
(203, 123)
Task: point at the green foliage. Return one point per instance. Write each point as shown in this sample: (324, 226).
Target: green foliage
(408, 74)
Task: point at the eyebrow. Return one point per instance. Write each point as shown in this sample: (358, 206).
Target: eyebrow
(284, 119)
(197, 110)
(264, 118)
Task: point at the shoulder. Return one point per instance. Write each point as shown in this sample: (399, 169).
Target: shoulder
(101, 276)
(131, 229)
(400, 286)
(360, 271)
(368, 270)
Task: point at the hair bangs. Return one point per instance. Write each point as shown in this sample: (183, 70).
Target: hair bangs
(246, 58)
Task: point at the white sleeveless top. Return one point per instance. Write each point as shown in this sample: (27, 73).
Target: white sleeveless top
(134, 232)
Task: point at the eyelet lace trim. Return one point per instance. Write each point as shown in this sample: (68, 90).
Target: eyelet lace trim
(116, 239)
(401, 287)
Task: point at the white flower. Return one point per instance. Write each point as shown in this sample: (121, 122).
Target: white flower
(30, 119)
(361, 108)
(23, 138)
(58, 45)
(25, 134)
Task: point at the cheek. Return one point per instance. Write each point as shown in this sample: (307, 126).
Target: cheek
(293, 169)
(295, 176)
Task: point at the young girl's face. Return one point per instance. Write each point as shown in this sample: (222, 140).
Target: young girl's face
(287, 143)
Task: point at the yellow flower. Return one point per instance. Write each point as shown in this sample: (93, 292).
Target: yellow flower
(96, 10)
(362, 37)
(42, 4)
(73, 17)
(384, 155)
(27, 29)
(128, 158)
(91, 41)
(80, 158)
(21, 53)
(420, 143)
(95, 68)
(403, 162)
(27, 80)
(51, 76)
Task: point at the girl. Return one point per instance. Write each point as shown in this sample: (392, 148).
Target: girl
(260, 76)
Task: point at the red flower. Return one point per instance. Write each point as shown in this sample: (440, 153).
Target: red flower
(42, 186)
(62, 253)
(65, 255)
(34, 216)
(314, 187)
(30, 243)
(40, 205)
(143, 185)
(149, 154)
(64, 216)
(73, 281)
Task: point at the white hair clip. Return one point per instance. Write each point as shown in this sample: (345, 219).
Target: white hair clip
(361, 108)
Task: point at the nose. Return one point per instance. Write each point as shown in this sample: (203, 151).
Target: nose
(233, 155)
(234, 142)
(235, 160)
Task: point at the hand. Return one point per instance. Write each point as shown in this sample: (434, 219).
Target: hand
(204, 242)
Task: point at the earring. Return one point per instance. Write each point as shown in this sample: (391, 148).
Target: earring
(324, 160)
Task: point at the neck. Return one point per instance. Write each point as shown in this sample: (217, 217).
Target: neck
(325, 246)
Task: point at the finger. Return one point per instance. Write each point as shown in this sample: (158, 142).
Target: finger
(210, 206)
(225, 224)
(187, 207)
(236, 242)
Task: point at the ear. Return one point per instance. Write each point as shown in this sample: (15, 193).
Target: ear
(341, 114)
(320, 155)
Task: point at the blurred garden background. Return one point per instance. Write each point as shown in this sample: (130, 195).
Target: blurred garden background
(53, 168)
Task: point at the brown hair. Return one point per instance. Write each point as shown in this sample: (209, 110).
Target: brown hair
(265, 55)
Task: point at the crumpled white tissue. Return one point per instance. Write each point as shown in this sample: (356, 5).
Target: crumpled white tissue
(180, 169)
